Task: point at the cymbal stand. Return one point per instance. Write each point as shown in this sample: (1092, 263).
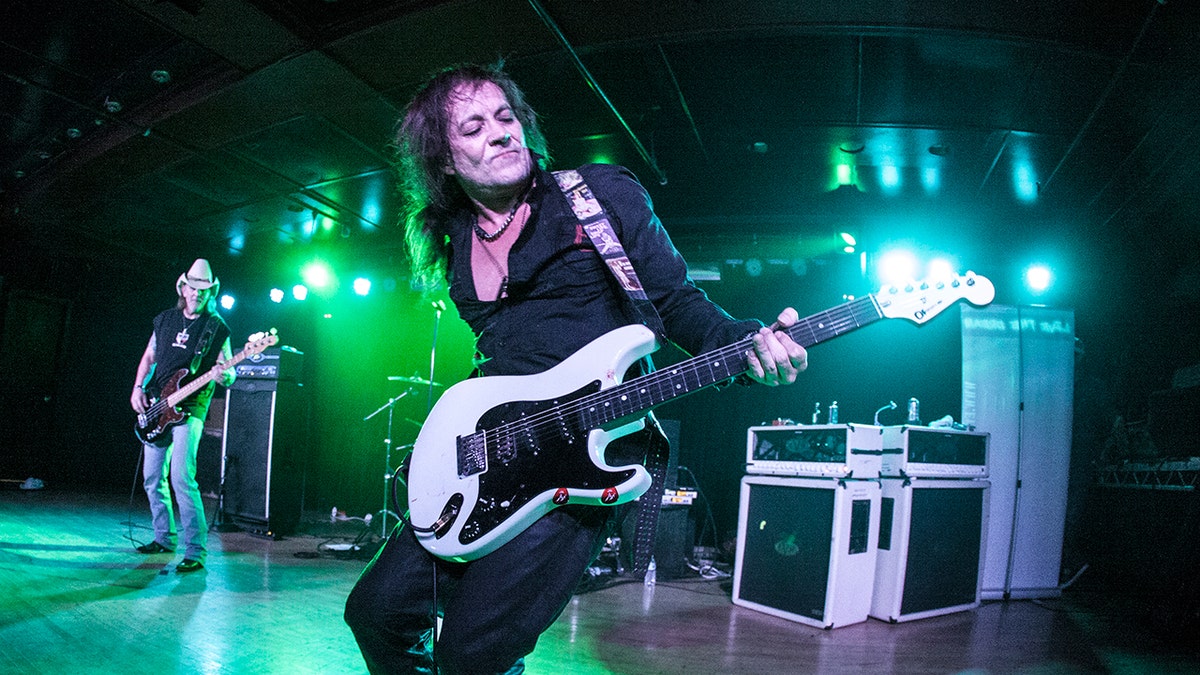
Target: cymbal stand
(387, 469)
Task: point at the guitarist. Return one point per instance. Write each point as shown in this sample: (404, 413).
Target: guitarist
(193, 337)
(483, 214)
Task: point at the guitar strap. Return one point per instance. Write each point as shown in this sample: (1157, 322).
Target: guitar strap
(595, 222)
(210, 329)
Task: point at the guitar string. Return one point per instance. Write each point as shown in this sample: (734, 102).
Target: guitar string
(161, 404)
(830, 323)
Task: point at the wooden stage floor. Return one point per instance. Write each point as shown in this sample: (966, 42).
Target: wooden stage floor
(76, 598)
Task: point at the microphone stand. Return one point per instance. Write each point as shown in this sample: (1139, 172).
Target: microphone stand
(439, 306)
(387, 443)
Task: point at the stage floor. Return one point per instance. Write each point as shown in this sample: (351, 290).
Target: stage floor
(75, 597)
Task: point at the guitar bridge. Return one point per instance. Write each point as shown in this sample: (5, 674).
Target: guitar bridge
(472, 454)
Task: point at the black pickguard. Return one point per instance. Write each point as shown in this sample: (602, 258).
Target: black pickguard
(531, 447)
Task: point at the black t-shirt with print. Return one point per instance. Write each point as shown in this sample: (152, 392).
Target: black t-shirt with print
(176, 340)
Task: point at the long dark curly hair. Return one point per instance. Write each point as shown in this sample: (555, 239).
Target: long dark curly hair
(430, 195)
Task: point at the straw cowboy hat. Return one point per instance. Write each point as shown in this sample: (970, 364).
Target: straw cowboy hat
(200, 277)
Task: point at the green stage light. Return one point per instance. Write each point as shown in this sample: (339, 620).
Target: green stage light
(844, 174)
(300, 291)
(277, 295)
(317, 275)
(362, 285)
(227, 302)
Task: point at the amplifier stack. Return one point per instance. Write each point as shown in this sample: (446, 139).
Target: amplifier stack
(264, 444)
(841, 522)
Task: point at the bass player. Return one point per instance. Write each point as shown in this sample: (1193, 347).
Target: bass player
(193, 337)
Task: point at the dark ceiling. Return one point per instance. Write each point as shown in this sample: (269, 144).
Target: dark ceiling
(137, 131)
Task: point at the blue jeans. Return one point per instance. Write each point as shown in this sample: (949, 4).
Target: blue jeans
(493, 609)
(174, 466)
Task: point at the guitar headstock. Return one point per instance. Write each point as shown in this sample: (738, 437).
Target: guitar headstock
(257, 342)
(920, 301)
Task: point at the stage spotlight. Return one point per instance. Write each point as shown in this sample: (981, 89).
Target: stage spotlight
(317, 275)
(277, 295)
(897, 267)
(300, 291)
(848, 241)
(931, 179)
(227, 302)
(845, 175)
(941, 269)
(1038, 278)
(889, 178)
(362, 286)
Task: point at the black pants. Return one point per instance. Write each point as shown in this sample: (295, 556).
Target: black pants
(493, 608)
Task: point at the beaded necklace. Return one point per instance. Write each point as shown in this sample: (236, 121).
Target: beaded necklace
(484, 235)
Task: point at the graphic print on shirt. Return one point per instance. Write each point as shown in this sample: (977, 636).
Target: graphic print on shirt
(181, 339)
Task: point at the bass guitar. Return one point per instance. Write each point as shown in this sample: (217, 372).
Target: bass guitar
(497, 453)
(154, 425)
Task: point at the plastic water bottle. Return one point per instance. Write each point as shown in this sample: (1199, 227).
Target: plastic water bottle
(914, 412)
(651, 573)
(833, 413)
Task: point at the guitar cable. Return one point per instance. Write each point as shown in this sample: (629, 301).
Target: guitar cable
(137, 473)
(402, 514)
(705, 571)
(403, 519)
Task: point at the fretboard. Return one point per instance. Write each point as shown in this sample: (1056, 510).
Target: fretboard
(641, 394)
(191, 387)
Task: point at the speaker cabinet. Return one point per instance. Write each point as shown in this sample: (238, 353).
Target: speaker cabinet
(931, 540)
(263, 454)
(806, 548)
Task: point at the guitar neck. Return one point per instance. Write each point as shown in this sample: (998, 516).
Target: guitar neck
(635, 397)
(195, 385)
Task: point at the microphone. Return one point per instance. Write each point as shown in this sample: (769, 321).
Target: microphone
(439, 305)
(890, 406)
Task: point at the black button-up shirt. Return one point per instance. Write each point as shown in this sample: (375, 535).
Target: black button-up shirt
(560, 294)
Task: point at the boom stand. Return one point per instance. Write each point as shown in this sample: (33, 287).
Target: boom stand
(387, 443)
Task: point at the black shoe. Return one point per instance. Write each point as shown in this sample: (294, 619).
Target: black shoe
(189, 565)
(153, 547)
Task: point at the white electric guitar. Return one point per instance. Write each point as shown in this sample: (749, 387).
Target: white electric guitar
(497, 453)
